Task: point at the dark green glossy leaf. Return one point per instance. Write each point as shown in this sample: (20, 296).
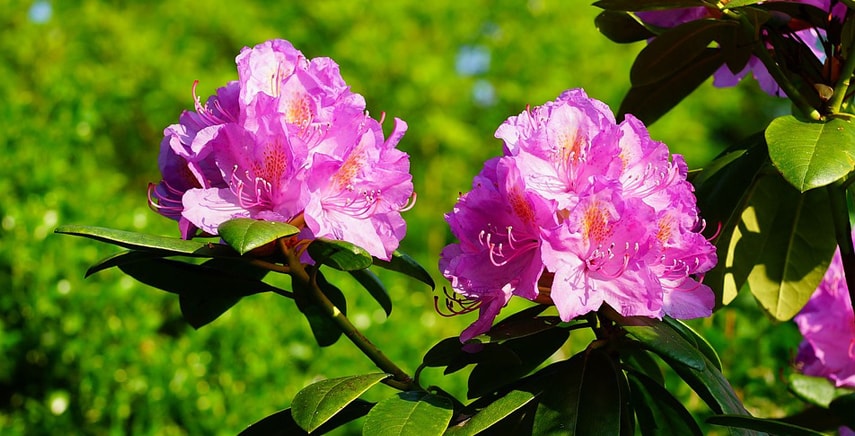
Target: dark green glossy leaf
(282, 423)
(815, 390)
(691, 336)
(492, 413)
(491, 374)
(646, 5)
(409, 413)
(200, 309)
(246, 234)
(341, 255)
(723, 189)
(375, 288)
(769, 426)
(324, 328)
(206, 291)
(443, 353)
(658, 337)
(712, 387)
(123, 257)
(404, 264)
(786, 240)
(523, 323)
(621, 27)
(141, 241)
(658, 412)
(649, 102)
(844, 407)
(674, 49)
(317, 403)
(635, 358)
(583, 398)
(811, 155)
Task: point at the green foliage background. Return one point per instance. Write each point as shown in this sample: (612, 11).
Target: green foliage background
(85, 97)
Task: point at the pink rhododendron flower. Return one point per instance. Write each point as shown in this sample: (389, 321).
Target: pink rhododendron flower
(724, 77)
(287, 142)
(827, 324)
(580, 211)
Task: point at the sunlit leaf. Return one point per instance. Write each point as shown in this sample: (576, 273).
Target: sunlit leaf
(649, 102)
(786, 240)
(658, 412)
(769, 426)
(693, 337)
(811, 155)
(317, 403)
(658, 337)
(142, 241)
(375, 288)
(493, 413)
(282, 423)
(620, 27)
(341, 255)
(815, 390)
(409, 413)
(671, 51)
(246, 234)
(739, 3)
(712, 387)
(404, 264)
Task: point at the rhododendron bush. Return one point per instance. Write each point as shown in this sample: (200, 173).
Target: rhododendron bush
(593, 224)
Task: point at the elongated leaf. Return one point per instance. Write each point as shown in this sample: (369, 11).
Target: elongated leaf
(493, 413)
(769, 426)
(649, 102)
(671, 51)
(325, 330)
(340, 255)
(620, 27)
(375, 288)
(246, 234)
(282, 423)
(787, 240)
(523, 323)
(739, 3)
(690, 335)
(142, 241)
(184, 278)
(810, 155)
(712, 387)
(658, 337)
(409, 413)
(658, 412)
(200, 309)
(404, 264)
(317, 403)
(646, 5)
(635, 358)
(558, 405)
(127, 256)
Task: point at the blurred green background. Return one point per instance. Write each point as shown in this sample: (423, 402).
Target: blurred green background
(87, 88)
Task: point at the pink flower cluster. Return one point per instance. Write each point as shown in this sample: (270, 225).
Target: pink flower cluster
(724, 77)
(286, 142)
(827, 324)
(583, 211)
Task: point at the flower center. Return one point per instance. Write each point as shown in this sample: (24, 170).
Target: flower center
(595, 224)
(298, 110)
(521, 206)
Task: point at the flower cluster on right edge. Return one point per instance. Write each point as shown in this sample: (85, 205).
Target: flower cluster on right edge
(580, 211)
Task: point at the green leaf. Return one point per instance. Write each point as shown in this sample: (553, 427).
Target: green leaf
(341, 255)
(739, 3)
(409, 413)
(206, 291)
(443, 353)
(621, 27)
(723, 189)
(674, 49)
(325, 330)
(140, 241)
(658, 412)
(690, 335)
(317, 403)
(810, 154)
(786, 240)
(658, 337)
(491, 374)
(646, 5)
(712, 387)
(769, 426)
(282, 423)
(492, 413)
(246, 234)
(523, 323)
(649, 102)
(122, 258)
(635, 358)
(815, 390)
(375, 288)
(404, 264)
(583, 397)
